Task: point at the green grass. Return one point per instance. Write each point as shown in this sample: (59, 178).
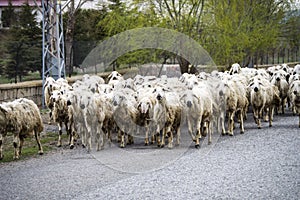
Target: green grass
(30, 148)
(31, 76)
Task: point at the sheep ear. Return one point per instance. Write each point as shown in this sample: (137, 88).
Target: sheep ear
(182, 96)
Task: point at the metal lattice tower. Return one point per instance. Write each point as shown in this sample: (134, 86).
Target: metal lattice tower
(53, 41)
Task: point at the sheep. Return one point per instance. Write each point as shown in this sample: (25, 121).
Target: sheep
(263, 97)
(167, 115)
(62, 115)
(296, 69)
(22, 118)
(125, 115)
(236, 102)
(235, 69)
(145, 107)
(198, 110)
(293, 90)
(279, 80)
(50, 86)
(114, 78)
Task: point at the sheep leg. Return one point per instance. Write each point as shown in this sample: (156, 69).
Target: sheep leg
(122, 134)
(242, 130)
(59, 134)
(89, 139)
(1, 148)
(50, 117)
(178, 135)
(163, 138)
(99, 137)
(222, 121)
(21, 145)
(299, 120)
(147, 136)
(209, 132)
(266, 114)
(230, 123)
(190, 129)
(38, 141)
(198, 136)
(270, 116)
(70, 133)
(170, 138)
(158, 136)
(16, 143)
(283, 103)
(256, 118)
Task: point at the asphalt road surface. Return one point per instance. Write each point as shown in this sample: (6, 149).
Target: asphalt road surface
(260, 164)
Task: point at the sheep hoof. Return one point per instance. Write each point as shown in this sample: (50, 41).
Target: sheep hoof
(58, 145)
(197, 146)
(162, 146)
(72, 146)
(242, 132)
(83, 146)
(49, 123)
(209, 142)
(122, 145)
(170, 146)
(230, 134)
(259, 127)
(41, 153)
(146, 143)
(1, 157)
(270, 125)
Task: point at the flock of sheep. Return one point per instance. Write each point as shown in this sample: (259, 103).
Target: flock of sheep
(93, 108)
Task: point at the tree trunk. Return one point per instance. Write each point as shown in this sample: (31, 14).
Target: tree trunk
(69, 38)
(184, 64)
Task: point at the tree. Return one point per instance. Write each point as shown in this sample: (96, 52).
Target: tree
(184, 16)
(69, 33)
(9, 16)
(243, 28)
(87, 33)
(23, 48)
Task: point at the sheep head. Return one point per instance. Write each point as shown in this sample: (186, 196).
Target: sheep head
(235, 69)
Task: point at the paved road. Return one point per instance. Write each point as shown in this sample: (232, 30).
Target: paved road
(260, 164)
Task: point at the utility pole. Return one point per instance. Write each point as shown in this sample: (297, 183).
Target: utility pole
(53, 59)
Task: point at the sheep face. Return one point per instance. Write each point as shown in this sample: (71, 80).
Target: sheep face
(188, 99)
(235, 69)
(118, 99)
(278, 76)
(144, 106)
(159, 93)
(255, 85)
(115, 76)
(191, 82)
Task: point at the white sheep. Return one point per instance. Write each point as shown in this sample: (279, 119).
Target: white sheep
(22, 118)
(295, 90)
(235, 69)
(296, 69)
(125, 115)
(263, 97)
(198, 110)
(167, 115)
(279, 80)
(62, 114)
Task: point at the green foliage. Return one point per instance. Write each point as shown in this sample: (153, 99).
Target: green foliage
(87, 33)
(9, 16)
(22, 50)
(243, 28)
